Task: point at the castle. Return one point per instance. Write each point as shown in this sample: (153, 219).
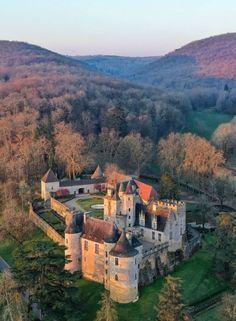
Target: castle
(136, 241)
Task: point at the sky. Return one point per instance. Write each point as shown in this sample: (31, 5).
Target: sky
(116, 27)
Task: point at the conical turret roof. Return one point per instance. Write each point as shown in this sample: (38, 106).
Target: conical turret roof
(129, 189)
(123, 248)
(97, 173)
(121, 188)
(49, 177)
(115, 197)
(112, 236)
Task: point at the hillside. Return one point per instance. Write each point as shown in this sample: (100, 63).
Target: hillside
(36, 80)
(207, 63)
(117, 66)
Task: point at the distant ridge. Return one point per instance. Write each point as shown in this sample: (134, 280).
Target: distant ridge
(207, 63)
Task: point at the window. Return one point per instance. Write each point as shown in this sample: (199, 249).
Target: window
(153, 235)
(171, 236)
(96, 248)
(135, 276)
(129, 209)
(116, 261)
(154, 223)
(142, 219)
(129, 225)
(106, 254)
(106, 271)
(86, 245)
(129, 217)
(159, 237)
(66, 241)
(128, 198)
(142, 231)
(116, 277)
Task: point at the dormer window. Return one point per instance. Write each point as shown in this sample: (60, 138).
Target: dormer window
(142, 219)
(154, 223)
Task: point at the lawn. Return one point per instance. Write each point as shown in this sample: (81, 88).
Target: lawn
(213, 314)
(204, 123)
(199, 282)
(54, 220)
(8, 246)
(86, 205)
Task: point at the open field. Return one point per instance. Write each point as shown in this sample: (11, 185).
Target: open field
(86, 205)
(204, 123)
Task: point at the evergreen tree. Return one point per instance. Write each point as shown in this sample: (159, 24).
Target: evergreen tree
(225, 259)
(40, 271)
(169, 307)
(107, 311)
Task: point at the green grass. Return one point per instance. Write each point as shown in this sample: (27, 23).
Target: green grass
(52, 219)
(86, 205)
(199, 282)
(204, 123)
(8, 246)
(6, 249)
(213, 314)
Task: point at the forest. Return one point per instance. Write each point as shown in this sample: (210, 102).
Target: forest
(57, 113)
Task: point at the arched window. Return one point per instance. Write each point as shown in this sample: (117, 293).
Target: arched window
(116, 261)
(116, 277)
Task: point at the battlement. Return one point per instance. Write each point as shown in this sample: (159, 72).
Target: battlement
(172, 204)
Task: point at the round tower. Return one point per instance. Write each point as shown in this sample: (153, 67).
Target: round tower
(109, 243)
(129, 203)
(123, 265)
(73, 233)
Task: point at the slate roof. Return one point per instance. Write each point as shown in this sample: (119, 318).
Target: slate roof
(74, 223)
(49, 177)
(123, 248)
(100, 231)
(98, 173)
(160, 219)
(80, 182)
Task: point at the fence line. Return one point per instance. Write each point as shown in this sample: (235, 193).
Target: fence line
(49, 230)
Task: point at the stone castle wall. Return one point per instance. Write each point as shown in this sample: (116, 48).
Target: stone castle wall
(51, 233)
(59, 207)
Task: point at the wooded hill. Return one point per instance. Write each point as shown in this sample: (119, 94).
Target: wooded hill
(202, 69)
(36, 79)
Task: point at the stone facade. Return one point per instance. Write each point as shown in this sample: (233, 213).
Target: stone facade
(134, 242)
(131, 246)
(51, 185)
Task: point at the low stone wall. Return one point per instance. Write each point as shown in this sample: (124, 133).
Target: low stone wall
(59, 207)
(49, 230)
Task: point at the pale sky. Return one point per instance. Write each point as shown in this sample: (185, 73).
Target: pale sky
(119, 27)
